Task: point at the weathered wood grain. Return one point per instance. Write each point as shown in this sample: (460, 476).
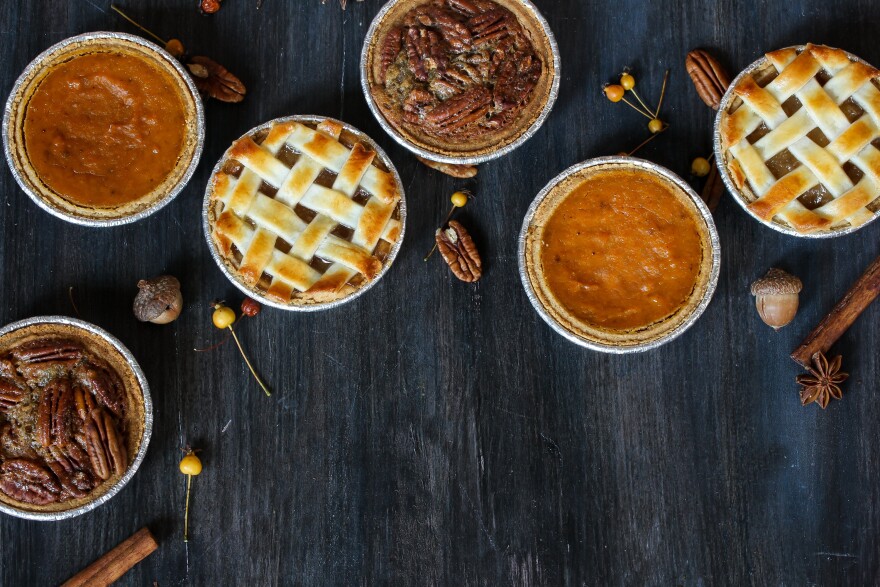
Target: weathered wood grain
(434, 432)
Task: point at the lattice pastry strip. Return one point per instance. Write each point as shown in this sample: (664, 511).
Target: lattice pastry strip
(820, 107)
(253, 222)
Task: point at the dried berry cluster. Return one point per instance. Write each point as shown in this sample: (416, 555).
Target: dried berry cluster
(63, 415)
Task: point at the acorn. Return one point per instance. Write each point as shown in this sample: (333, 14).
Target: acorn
(776, 297)
(159, 300)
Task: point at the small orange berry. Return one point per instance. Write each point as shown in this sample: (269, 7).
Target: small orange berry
(614, 92)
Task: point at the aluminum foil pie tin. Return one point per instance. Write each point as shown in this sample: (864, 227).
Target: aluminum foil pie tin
(28, 81)
(661, 172)
(501, 151)
(726, 101)
(136, 372)
(263, 299)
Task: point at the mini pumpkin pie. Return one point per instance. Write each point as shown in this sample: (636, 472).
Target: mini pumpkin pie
(799, 140)
(460, 78)
(103, 128)
(304, 212)
(618, 255)
(72, 418)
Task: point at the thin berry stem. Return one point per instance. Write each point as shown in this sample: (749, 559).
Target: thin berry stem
(662, 92)
(129, 19)
(645, 106)
(251, 367)
(189, 479)
(637, 109)
(442, 224)
(645, 142)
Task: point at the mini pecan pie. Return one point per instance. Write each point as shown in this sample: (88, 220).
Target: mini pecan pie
(799, 140)
(71, 417)
(461, 77)
(304, 212)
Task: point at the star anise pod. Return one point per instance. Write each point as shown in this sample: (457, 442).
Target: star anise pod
(823, 381)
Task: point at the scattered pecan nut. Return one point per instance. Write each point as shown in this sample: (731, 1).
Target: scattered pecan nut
(458, 171)
(459, 251)
(709, 77)
(713, 189)
(214, 80)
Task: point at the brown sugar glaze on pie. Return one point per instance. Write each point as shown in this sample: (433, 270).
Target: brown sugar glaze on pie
(457, 69)
(621, 251)
(105, 129)
(63, 413)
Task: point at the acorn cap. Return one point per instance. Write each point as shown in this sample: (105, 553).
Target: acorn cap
(777, 282)
(155, 297)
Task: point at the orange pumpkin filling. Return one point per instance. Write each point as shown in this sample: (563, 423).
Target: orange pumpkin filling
(105, 129)
(622, 251)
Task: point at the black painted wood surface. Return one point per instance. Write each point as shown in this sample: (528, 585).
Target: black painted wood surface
(434, 432)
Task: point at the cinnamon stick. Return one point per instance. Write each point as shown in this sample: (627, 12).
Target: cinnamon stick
(117, 562)
(861, 294)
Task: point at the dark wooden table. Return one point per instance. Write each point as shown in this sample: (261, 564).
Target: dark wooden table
(434, 432)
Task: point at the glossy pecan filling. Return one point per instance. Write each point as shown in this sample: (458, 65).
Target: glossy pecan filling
(457, 69)
(62, 419)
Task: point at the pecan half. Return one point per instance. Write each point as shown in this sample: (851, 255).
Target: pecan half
(709, 77)
(104, 446)
(517, 76)
(391, 46)
(105, 385)
(44, 351)
(29, 482)
(458, 171)
(455, 33)
(214, 80)
(54, 412)
(713, 190)
(491, 26)
(426, 52)
(469, 7)
(11, 394)
(74, 481)
(459, 251)
(460, 111)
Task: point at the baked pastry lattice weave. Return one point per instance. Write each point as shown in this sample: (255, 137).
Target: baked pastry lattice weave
(304, 213)
(803, 147)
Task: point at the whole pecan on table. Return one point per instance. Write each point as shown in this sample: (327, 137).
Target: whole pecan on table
(709, 77)
(711, 82)
(459, 251)
(214, 80)
(457, 171)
